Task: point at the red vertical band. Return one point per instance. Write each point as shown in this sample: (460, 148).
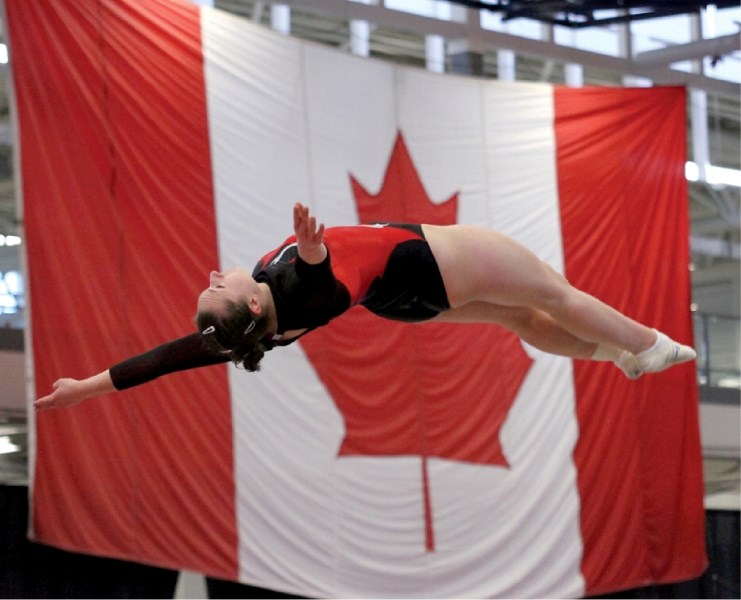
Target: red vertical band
(623, 200)
(121, 234)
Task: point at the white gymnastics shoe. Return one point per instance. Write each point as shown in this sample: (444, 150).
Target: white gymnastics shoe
(663, 354)
(628, 364)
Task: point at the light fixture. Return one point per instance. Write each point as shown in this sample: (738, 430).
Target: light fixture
(713, 175)
(6, 446)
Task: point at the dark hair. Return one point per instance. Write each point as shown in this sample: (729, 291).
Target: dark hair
(238, 332)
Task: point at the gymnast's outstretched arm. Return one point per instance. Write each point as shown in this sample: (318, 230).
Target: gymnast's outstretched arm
(187, 352)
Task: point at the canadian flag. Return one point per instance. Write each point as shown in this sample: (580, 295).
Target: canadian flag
(159, 141)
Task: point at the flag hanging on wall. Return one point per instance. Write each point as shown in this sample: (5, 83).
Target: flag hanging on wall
(159, 141)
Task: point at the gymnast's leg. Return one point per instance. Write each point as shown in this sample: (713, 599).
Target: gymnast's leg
(541, 331)
(485, 266)
(533, 326)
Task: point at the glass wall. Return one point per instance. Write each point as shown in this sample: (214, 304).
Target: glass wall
(11, 282)
(717, 341)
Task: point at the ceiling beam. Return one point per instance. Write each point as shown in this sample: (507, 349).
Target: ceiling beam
(482, 39)
(715, 47)
(586, 13)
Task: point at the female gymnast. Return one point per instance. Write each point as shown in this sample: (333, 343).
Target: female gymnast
(453, 273)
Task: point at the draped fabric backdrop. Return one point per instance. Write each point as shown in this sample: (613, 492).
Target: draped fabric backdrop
(159, 141)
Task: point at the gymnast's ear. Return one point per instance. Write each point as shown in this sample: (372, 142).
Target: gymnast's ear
(254, 304)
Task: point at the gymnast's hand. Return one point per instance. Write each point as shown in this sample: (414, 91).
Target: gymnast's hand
(68, 392)
(309, 235)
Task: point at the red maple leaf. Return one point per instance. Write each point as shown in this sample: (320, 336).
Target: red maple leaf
(434, 389)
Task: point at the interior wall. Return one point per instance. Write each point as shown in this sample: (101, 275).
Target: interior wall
(12, 380)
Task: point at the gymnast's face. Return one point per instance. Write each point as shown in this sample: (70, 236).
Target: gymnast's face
(234, 285)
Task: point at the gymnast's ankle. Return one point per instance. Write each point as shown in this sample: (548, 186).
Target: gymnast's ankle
(664, 353)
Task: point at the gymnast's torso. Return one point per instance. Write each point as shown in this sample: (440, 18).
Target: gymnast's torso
(387, 268)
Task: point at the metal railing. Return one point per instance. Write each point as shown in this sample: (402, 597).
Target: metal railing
(717, 340)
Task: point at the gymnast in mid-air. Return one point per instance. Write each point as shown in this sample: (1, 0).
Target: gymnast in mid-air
(402, 272)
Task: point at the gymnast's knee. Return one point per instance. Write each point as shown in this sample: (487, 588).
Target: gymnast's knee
(526, 321)
(558, 296)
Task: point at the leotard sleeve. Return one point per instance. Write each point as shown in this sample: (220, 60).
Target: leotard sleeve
(187, 352)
